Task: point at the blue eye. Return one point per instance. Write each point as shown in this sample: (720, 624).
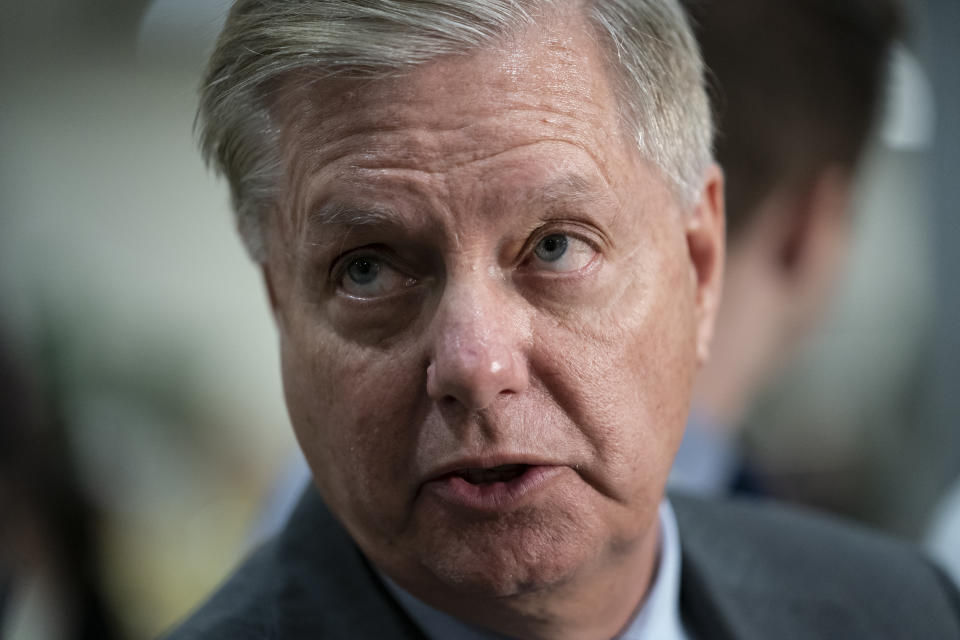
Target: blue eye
(363, 270)
(551, 248)
(561, 253)
(368, 276)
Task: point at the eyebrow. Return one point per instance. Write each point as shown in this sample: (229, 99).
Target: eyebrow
(340, 214)
(571, 186)
(568, 190)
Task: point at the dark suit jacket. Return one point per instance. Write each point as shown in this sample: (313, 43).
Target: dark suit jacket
(749, 573)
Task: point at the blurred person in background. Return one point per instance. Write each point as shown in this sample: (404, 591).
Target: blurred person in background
(50, 582)
(798, 87)
(492, 237)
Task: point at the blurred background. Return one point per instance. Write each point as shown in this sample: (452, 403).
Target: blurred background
(143, 423)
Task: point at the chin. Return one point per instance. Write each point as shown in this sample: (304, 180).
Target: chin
(516, 554)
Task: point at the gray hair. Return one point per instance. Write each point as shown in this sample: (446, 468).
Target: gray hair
(655, 67)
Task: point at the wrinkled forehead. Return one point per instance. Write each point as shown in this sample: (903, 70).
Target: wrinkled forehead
(554, 71)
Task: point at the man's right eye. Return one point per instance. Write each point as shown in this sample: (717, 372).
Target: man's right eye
(363, 271)
(371, 277)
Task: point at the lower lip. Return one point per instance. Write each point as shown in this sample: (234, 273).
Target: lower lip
(493, 497)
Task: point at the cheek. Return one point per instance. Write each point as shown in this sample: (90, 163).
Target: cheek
(624, 376)
(660, 348)
(352, 411)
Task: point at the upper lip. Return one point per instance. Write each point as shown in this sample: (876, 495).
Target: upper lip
(488, 462)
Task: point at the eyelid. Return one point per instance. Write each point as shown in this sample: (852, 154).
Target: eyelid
(572, 229)
(568, 227)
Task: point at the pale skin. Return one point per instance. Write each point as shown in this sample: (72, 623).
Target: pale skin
(474, 267)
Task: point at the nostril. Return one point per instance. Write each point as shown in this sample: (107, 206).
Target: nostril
(472, 382)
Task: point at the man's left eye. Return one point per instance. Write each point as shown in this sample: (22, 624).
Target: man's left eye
(561, 252)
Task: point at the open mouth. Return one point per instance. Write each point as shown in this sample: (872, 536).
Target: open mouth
(491, 490)
(503, 473)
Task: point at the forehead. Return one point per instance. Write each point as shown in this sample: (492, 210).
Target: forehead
(554, 67)
(537, 111)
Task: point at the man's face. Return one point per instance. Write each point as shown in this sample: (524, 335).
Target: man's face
(490, 310)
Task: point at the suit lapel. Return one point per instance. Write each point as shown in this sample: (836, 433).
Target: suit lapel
(731, 590)
(329, 590)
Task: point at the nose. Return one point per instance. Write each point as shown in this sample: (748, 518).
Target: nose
(477, 350)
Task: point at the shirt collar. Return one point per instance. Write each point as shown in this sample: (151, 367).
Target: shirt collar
(658, 617)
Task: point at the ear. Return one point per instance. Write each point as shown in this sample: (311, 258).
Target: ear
(706, 245)
(268, 265)
(814, 218)
(268, 284)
